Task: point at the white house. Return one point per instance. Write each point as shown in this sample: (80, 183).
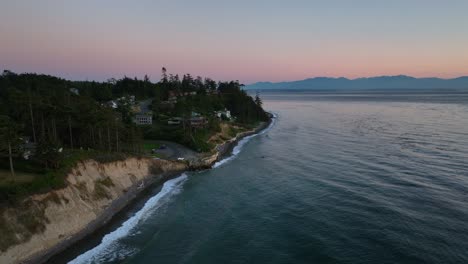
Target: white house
(143, 119)
(226, 113)
(144, 115)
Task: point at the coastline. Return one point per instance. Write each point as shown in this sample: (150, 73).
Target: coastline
(105, 217)
(131, 194)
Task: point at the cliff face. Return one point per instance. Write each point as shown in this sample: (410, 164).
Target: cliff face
(222, 149)
(44, 224)
(94, 193)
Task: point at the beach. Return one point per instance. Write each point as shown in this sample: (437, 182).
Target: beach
(89, 214)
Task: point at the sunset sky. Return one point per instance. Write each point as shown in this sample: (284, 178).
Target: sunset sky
(246, 40)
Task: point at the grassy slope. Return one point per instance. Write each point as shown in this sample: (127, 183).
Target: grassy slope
(26, 183)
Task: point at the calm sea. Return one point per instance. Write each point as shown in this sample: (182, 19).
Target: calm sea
(339, 178)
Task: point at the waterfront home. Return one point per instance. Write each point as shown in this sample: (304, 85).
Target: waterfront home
(74, 91)
(144, 115)
(143, 119)
(196, 120)
(225, 114)
(124, 100)
(175, 121)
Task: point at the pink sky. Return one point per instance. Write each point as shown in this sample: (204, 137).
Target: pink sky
(263, 43)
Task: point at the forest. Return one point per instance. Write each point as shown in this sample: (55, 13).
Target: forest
(48, 123)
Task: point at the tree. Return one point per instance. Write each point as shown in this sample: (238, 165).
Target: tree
(164, 75)
(210, 85)
(49, 153)
(9, 140)
(257, 100)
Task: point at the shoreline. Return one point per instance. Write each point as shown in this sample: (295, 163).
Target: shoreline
(104, 218)
(135, 191)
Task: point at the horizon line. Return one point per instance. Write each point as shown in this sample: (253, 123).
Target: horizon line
(246, 84)
(357, 78)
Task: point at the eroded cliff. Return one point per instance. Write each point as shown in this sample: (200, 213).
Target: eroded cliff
(93, 194)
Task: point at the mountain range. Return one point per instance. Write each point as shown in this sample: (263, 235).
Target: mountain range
(372, 83)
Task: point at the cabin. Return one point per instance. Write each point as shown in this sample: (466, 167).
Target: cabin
(143, 119)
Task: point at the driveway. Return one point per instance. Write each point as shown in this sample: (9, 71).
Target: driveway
(173, 151)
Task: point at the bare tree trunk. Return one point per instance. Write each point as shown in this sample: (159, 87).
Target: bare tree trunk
(132, 140)
(100, 138)
(10, 155)
(92, 136)
(50, 131)
(117, 139)
(42, 126)
(71, 133)
(54, 129)
(32, 120)
(108, 139)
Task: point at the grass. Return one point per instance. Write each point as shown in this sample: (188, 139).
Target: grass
(26, 184)
(149, 145)
(22, 165)
(20, 177)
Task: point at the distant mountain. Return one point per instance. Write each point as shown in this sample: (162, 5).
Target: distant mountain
(380, 82)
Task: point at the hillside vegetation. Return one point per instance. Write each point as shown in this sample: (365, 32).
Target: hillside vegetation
(47, 124)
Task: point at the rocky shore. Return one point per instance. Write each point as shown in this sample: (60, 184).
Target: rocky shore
(94, 194)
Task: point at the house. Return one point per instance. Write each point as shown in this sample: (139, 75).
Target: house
(170, 102)
(124, 100)
(175, 121)
(189, 93)
(144, 115)
(225, 114)
(74, 91)
(143, 119)
(112, 104)
(172, 97)
(27, 147)
(196, 120)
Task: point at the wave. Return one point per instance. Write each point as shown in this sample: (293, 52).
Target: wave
(236, 150)
(109, 249)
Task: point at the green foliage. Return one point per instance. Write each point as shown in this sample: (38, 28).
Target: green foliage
(241, 105)
(49, 153)
(54, 179)
(59, 117)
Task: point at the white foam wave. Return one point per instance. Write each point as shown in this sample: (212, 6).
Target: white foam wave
(109, 248)
(237, 149)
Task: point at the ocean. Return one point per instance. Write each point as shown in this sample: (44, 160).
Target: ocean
(367, 177)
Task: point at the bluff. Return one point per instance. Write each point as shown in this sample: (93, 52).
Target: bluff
(43, 224)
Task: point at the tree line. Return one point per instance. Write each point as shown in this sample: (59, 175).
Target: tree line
(46, 115)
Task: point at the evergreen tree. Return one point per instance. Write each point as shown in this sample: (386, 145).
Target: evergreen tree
(257, 100)
(9, 140)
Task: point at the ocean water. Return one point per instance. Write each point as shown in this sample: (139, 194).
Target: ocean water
(338, 178)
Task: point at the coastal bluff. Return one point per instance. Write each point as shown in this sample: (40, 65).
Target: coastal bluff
(44, 224)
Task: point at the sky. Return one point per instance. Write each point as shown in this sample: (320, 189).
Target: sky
(241, 40)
